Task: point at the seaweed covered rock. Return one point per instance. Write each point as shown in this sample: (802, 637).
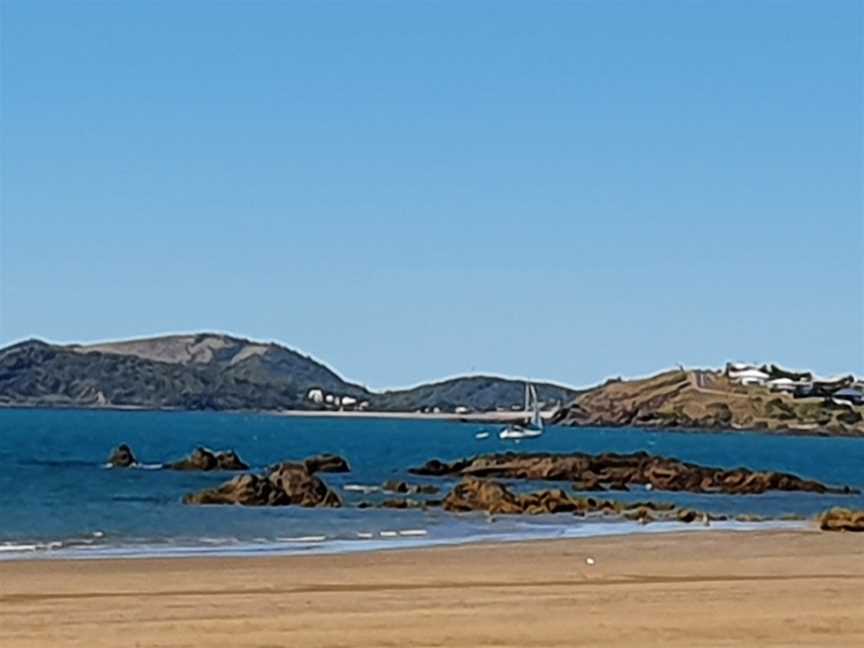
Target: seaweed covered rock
(205, 460)
(287, 484)
(122, 457)
(841, 519)
(620, 471)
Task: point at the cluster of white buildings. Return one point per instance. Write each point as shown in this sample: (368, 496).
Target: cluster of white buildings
(339, 401)
(801, 384)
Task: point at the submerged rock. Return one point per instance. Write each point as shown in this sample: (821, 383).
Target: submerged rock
(122, 457)
(842, 519)
(327, 463)
(396, 486)
(620, 471)
(408, 503)
(204, 459)
(287, 484)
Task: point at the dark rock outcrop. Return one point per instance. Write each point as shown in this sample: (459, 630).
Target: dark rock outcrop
(204, 459)
(841, 519)
(493, 497)
(622, 470)
(482, 495)
(122, 457)
(286, 484)
(327, 463)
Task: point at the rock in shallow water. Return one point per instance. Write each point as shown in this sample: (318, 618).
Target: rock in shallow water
(620, 471)
(327, 463)
(494, 498)
(287, 484)
(841, 519)
(122, 457)
(204, 459)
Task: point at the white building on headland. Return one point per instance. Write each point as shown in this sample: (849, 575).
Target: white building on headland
(745, 374)
(783, 385)
(750, 377)
(315, 395)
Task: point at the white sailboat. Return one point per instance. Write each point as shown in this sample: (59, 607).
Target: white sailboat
(534, 427)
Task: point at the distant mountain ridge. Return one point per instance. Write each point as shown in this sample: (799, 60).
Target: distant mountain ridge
(219, 372)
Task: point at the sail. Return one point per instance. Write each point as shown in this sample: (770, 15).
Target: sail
(536, 418)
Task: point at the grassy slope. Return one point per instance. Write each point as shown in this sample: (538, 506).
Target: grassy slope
(707, 399)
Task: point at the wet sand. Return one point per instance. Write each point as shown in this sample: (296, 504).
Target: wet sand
(774, 588)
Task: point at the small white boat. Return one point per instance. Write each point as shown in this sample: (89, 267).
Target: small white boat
(481, 435)
(534, 427)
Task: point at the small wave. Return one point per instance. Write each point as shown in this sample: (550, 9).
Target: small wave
(135, 466)
(219, 542)
(319, 538)
(389, 534)
(361, 488)
(413, 532)
(13, 547)
(9, 547)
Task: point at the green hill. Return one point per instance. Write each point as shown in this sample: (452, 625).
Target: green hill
(219, 372)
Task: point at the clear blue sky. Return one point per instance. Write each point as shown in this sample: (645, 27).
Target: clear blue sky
(414, 190)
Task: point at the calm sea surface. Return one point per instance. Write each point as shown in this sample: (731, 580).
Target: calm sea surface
(58, 499)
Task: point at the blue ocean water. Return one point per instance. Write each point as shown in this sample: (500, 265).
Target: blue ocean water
(58, 499)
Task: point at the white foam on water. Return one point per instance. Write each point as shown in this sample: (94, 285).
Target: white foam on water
(364, 541)
(19, 547)
(361, 488)
(147, 466)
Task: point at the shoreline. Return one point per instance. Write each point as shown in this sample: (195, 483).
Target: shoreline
(668, 589)
(395, 540)
(490, 418)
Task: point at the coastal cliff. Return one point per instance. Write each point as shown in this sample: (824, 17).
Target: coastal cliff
(708, 399)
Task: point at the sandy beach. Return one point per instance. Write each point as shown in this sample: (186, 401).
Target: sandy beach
(692, 589)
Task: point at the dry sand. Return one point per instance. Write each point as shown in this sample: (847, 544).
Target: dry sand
(696, 589)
